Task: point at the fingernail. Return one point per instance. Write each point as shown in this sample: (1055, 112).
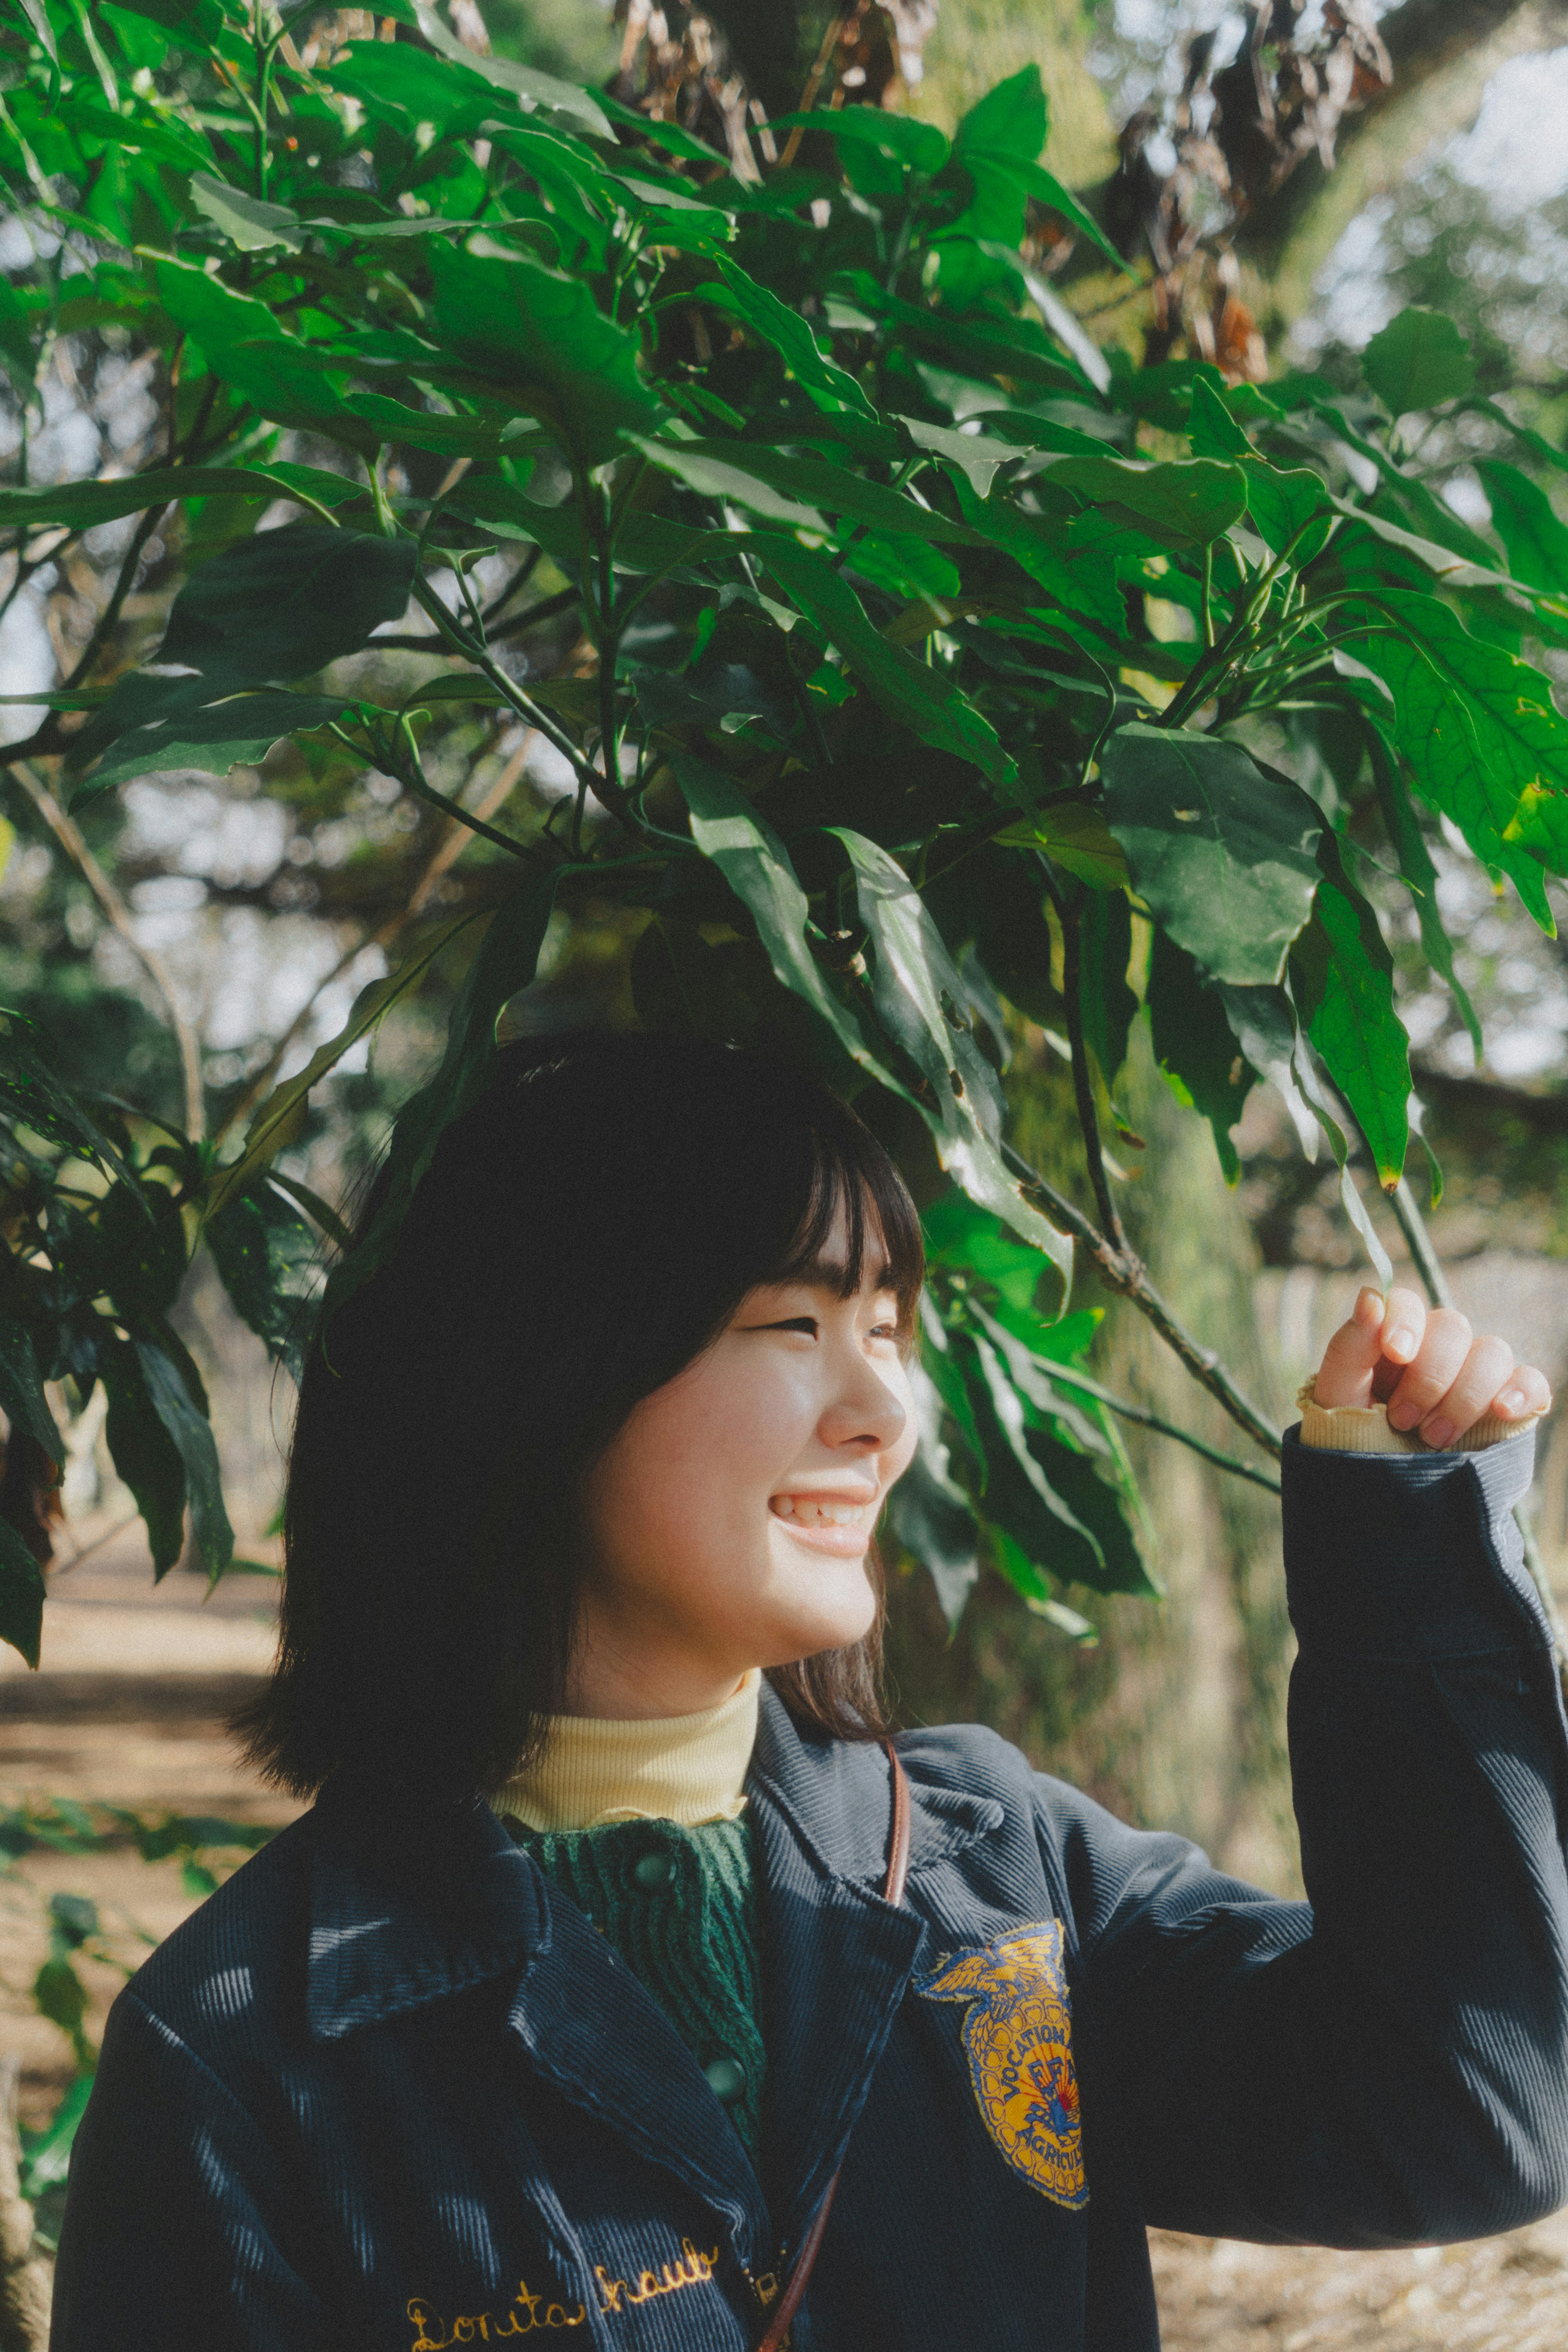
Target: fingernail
(1437, 1434)
(1510, 1401)
(1400, 1344)
(1404, 1416)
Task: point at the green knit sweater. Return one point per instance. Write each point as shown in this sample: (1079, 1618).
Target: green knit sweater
(681, 1907)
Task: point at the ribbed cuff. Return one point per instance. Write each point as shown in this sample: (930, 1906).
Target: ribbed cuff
(1364, 1429)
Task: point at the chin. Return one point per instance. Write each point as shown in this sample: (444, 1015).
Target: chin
(806, 1633)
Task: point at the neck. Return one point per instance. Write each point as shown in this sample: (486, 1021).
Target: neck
(687, 1768)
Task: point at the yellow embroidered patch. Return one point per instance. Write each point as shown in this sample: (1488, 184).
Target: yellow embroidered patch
(1019, 2035)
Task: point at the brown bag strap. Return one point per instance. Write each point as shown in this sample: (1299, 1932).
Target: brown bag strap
(811, 2243)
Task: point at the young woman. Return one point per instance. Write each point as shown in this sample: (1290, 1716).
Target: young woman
(586, 1976)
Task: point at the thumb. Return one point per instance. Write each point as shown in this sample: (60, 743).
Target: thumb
(1353, 1354)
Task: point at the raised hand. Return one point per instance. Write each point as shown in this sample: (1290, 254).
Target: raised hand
(1429, 1369)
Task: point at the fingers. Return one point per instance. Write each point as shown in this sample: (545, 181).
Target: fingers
(1525, 1392)
(1433, 1371)
(1379, 1334)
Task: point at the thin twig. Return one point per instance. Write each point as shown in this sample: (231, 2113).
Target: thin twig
(1147, 1420)
(69, 834)
(1418, 1241)
(1125, 1274)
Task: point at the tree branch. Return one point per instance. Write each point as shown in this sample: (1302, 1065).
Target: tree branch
(1125, 1274)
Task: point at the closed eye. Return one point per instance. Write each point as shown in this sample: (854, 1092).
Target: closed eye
(806, 1323)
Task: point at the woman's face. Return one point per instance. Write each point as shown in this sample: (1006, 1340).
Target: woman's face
(727, 1523)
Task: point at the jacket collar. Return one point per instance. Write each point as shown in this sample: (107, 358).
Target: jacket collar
(409, 1910)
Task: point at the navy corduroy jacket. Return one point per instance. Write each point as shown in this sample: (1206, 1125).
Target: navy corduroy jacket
(389, 2091)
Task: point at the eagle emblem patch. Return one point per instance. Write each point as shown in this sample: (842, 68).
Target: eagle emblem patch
(1019, 2035)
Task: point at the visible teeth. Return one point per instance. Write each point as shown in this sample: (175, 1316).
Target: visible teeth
(811, 1514)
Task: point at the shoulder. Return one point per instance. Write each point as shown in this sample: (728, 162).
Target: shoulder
(225, 1976)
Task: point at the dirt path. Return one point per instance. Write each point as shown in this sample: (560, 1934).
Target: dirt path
(129, 1710)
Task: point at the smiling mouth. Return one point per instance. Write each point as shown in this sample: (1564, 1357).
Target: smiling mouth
(811, 1511)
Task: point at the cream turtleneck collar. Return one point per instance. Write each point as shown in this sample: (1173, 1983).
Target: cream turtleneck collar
(685, 1768)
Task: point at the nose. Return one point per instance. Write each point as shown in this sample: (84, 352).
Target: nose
(867, 1416)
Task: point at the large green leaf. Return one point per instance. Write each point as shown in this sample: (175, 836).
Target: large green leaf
(918, 996)
(1418, 361)
(533, 89)
(191, 1432)
(143, 1451)
(79, 505)
(930, 1513)
(1195, 1047)
(33, 1098)
(542, 338)
(921, 699)
(1222, 855)
(1184, 504)
(1485, 741)
(283, 604)
(211, 738)
(791, 337)
(265, 1253)
(21, 1595)
(1342, 974)
(756, 863)
(246, 220)
(1528, 525)
(21, 1397)
(797, 490)
(1420, 875)
(247, 345)
(918, 144)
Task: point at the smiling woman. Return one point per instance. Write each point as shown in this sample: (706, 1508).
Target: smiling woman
(713, 2003)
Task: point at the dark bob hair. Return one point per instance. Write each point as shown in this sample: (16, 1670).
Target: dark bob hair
(584, 1230)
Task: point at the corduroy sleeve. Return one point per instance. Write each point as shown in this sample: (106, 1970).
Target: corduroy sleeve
(168, 2236)
(1388, 2062)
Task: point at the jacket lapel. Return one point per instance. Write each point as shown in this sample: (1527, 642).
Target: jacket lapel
(408, 1911)
(837, 1958)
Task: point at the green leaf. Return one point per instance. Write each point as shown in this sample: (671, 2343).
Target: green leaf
(239, 733)
(976, 453)
(1011, 120)
(1528, 525)
(917, 992)
(21, 1397)
(79, 505)
(1184, 504)
(930, 1515)
(506, 961)
(191, 1434)
(1075, 836)
(1222, 855)
(21, 1595)
(31, 1097)
(46, 2154)
(920, 145)
(790, 336)
(1195, 1047)
(534, 90)
(143, 1453)
(796, 490)
(283, 604)
(265, 1253)
(1419, 360)
(248, 347)
(541, 336)
(1342, 978)
(1409, 843)
(246, 221)
(59, 1995)
(924, 700)
(755, 863)
(1486, 743)
(1265, 1029)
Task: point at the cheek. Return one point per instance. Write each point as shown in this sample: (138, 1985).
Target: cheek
(698, 1455)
